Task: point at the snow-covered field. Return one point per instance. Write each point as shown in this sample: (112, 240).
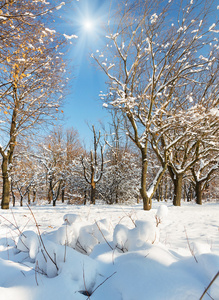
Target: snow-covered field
(120, 252)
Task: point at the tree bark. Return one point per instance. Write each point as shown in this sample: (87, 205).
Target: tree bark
(7, 159)
(13, 195)
(166, 190)
(198, 192)
(21, 201)
(93, 192)
(177, 189)
(143, 190)
(85, 197)
(63, 195)
(6, 184)
(34, 196)
(50, 194)
(56, 196)
(28, 197)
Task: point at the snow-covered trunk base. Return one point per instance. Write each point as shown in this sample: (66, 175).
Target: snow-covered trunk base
(5, 184)
(198, 192)
(177, 190)
(147, 203)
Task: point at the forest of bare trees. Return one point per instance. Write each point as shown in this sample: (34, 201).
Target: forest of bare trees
(163, 82)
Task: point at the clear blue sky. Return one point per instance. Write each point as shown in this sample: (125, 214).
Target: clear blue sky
(83, 103)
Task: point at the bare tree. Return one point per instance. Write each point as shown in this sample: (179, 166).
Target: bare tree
(92, 171)
(203, 173)
(23, 175)
(32, 76)
(151, 55)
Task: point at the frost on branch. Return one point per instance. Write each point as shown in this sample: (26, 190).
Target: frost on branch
(153, 18)
(60, 5)
(69, 37)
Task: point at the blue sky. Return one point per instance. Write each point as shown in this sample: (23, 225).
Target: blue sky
(83, 105)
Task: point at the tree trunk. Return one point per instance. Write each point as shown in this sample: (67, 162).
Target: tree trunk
(13, 198)
(53, 199)
(166, 190)
(190, 193)
(6, 184)
(117, 197)
(34, 196)
(177, 189)
(143, 192)
(50, 192)
(21, 201)
(198, 192)
(92, 195)
(12, 193)
(56, 196)
(85, 197)
(49, 196)
(161, 191)
(63, 195)
(157, 195)
(28, 197)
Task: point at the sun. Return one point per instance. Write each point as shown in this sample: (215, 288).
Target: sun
(88, 25)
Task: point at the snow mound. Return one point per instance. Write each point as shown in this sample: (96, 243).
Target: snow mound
(144, 232)
(82, 235)
(28, 241)
(132, 239)
(71, 218)
(54, 259)
(120, 237)
(68, 234)
(161, 213)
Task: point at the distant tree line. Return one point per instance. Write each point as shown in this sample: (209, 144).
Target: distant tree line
(59, 168)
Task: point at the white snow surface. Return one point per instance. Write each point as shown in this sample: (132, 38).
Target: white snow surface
(109, 252)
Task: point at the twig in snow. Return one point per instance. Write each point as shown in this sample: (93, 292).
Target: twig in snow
(102, 283)
(190, 249)
(127, 215)
(23, 273)
(78, 244)
(87, 293)
(207, 288)
(26, 224)
(41, 240)
(16, 227)
(15, 222)
(103, 236)
(36, 272)
(12, 224)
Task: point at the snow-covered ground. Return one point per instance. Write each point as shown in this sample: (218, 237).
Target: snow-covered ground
(120, 252)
